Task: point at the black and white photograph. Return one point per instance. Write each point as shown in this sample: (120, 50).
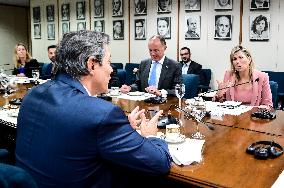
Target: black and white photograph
(164, 6)
(223, 4)
(51, 31)
(223, 27)
(36, 14)
(98, 8)
(192, 5)
(140, 29)
(37, 31)
(65, 27)
(117, 8)
(80, 10)
(81, 26)
(99, 25)
(118, 30)
(50, 13)
(259, 27)
(65, 12)
(259, 4)
(140, 7)
(164, 27)
(192, 29)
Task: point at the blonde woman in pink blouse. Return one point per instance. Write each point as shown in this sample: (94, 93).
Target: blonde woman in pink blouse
(254, 93)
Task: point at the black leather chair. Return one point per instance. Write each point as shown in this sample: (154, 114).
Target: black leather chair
(191, 82)
(130, 77)
(203, 87)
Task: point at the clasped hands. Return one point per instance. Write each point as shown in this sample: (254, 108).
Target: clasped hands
(138, 121)
(151, 89)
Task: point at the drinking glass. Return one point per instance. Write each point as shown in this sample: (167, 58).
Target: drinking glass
(180, 91)
(35, 74)
(5, 84)
(198, 116)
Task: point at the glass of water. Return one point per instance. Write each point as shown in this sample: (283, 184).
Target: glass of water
(180, 91)
(35, 74)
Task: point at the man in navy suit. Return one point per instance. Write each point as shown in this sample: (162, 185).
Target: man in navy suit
(67, 137)
(167, 71)
(188, 66)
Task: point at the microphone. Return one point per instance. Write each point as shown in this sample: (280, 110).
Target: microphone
(256, 80)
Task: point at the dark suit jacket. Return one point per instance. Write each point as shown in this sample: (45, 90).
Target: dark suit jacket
(195, 68)
(29, 66)
(66, 138)
(170, 75)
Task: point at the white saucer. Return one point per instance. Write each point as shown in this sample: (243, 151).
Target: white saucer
(179, 139)
(136, 93)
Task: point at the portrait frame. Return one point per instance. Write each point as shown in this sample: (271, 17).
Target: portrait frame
(218, 35)
(164, 9)
(164, 20)
(189, 8)
(119, 12)
(81, 24)
(50, 13)
(192, 35)
(64, 26)
(228, 6)
(264, 6)
(65, 16)
(82, 15)
(101, 13)
(144, 27)
(36, 14)
(121, 35)
(50, 31)
(255, 19)
(140, 9)
(102, 25)
(37, 31)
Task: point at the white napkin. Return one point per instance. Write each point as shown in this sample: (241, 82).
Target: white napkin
(187, 152)
(135, 98)
(9, 115)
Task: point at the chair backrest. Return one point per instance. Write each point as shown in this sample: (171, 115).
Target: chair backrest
(279, 78)
(118, 65)
(13, 176)
(207, 76)
(191, 82)
(274, 91)
(7, 157)
(130, 77)
(121, 74)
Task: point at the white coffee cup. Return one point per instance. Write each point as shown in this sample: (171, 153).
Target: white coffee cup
(114, 91)
(172, 131)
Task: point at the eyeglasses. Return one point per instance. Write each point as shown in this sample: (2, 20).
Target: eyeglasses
(184, 54)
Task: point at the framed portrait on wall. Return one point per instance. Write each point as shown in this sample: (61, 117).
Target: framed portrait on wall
(118, 29)
(259, 27)
(164, 27)
(65, 27)
(223, 4)
(164, 6)
(140, 29)
(51, 31)
(81, 10)
(140, 7)
(50, 13)
(117, 8)
(65, 12)
(192, 27)
(81, 26)
(36, 14)
(192, 5)
(223, 27)
(37, 31)
(98, 8)
(99, 25)
(259, 4)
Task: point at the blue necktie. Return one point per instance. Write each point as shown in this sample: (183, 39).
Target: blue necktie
(152, 80)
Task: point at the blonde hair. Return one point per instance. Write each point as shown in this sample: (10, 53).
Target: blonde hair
(247, 54)
(16, 59)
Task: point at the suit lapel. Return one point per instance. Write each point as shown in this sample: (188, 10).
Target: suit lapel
(146, 73)
(254, 88)
(189, 70)
(164, 71)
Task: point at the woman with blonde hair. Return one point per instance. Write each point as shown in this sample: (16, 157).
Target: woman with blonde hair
(243, 83)
(23, 62)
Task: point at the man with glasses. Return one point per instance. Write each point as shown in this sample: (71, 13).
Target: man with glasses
(139, 29)
(188, 66)
(157, 75)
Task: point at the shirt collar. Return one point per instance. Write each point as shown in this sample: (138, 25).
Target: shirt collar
(161, 61)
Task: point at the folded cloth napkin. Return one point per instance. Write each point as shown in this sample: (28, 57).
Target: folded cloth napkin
(187, 152)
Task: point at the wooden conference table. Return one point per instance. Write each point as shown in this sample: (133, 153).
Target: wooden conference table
(225, 162)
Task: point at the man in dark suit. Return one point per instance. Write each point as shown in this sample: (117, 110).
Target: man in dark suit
(188, 66)
(67, 137)
(166, 72)
(47, 68)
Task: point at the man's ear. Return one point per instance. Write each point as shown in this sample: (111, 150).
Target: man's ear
(91, 63)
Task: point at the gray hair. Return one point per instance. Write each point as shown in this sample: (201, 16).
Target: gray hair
(74, 50)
